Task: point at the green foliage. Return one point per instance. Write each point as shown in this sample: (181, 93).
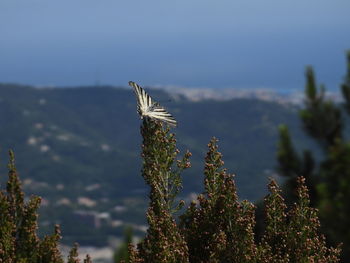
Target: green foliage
(293, 236)
(163, 242)
(291, 165)
(345, 87)
(287, 156)
(321, 118)
(159, 156)
(329, 180)
(18, 239)
(19, 242)
(218, 227)
(73, 254)
(122, 253)
(335, 193)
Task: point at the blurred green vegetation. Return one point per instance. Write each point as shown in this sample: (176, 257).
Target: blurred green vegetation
(329, 177)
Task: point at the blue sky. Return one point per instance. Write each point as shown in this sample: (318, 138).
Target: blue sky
(195, 43)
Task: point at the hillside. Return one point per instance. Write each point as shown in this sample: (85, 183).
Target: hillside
(79, 148)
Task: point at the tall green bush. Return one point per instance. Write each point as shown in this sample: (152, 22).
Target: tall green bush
(218, 227)
(328, 178)
(161, 171)
(19, 242)
(122, 253)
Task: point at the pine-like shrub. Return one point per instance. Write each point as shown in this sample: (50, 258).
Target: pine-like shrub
(327, 174)
(293, 236)
(161, 171)
(19, 242)
(218, 227)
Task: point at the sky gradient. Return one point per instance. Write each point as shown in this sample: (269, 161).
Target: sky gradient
(194, 43)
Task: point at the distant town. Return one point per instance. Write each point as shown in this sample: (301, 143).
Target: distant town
(282, 97)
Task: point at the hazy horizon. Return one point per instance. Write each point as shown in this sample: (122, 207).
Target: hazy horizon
(183, 43)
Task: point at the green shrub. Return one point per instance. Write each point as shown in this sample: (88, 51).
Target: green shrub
(19, 242)
(218, 227)
(327, 174)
